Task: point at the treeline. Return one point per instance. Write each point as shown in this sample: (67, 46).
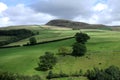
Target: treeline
(110, 73)
(17, 34)
(12, 76)
(61, 74)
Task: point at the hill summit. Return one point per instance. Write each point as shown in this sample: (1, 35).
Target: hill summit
(73, 24)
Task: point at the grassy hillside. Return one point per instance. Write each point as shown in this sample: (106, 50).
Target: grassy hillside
(46, 33)
(103, 51)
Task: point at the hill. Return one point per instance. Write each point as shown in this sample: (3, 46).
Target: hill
(75, 25)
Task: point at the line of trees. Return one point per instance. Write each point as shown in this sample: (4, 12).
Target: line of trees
(12, 76)
(110, 73)
(16, 34)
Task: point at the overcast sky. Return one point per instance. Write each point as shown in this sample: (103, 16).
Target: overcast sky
(25, 12)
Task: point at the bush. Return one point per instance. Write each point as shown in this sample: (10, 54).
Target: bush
(111, 73)
(63, 74)
(64, 51)
(79, 49)
(54, 75)
(50, 75)
(77, 74)
(34, 77)
(47, 61)
(82, 37)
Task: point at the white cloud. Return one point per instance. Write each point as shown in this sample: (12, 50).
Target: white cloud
(3, 7)
(90, 11)
(3, 20)
(100, 7)
(22, 15)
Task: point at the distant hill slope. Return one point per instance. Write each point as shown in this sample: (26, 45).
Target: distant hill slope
(73, 24)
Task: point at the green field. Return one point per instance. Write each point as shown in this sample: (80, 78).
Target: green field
(46, 33)
(103, 47)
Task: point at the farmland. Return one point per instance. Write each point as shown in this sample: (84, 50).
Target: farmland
(103, 51)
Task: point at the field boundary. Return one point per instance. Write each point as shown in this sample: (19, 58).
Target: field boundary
(56, 40)
(44, 42)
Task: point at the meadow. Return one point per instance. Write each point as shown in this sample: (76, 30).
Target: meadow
(46, 33)
(103, 51)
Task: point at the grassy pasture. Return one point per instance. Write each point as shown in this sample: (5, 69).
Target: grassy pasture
(103, 51)
(46, 33)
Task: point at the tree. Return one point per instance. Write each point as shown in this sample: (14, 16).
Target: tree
(81, 37)
(47, 61)
(32, 40)
(79, 49)
(110, 73)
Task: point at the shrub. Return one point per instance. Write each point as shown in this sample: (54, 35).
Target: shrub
(63, 74)
(54, 75)
(79, 49)
(77, 74)
(64, 51)
(82, 37)
(47, 61)
(50, 75)
(81, 72)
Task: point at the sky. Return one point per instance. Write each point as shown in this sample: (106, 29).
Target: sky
(30, 12)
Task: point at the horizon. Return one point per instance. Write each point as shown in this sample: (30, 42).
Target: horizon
(57, 19)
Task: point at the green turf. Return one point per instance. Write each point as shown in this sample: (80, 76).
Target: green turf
(103, 51)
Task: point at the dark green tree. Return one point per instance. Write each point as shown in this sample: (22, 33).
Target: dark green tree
(82, 37)
(32, 40)
(110, 73)
(79, 49)
(47, 61)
